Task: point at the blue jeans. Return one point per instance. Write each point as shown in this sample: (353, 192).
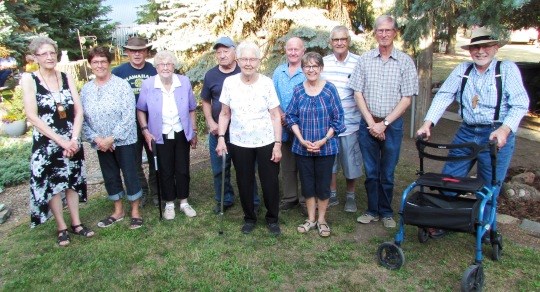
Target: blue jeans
(216, 164)
(480, 136)
(380, 160)
(111, 163)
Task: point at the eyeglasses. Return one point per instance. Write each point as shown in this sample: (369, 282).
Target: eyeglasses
(137, 51)
(163, 65)
(248, 60)
(97, 63)
(478, 47)
(384, 31)
(338, 40)
(47, 54)
(311, 67)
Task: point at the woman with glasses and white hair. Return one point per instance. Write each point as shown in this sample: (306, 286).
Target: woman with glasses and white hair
(111, 128)
(315, 116)
(250, 103)
(168, 101)
(52, 105)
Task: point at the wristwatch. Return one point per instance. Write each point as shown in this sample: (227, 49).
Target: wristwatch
(386, 123)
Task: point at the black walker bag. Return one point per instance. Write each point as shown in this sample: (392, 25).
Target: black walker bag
(440, 211)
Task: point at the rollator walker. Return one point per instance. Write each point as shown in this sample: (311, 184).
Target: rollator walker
(441, 201)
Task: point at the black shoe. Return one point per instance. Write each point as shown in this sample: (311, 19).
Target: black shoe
(274, 229)
(248, 227)
(284, 206)
(217, 208)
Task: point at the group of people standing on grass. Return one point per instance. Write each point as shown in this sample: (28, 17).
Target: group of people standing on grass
(315, 115)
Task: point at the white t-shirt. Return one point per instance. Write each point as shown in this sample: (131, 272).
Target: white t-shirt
(251, 123)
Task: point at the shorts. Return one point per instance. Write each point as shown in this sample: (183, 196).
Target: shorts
(349, 157)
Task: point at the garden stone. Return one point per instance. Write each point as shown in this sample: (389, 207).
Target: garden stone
(521, 192)
(4, 215)
(531, 227)
(2, 207)
(506, 219)
(524, 178)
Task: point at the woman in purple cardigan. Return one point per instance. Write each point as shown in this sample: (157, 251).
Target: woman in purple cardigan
(166, 113)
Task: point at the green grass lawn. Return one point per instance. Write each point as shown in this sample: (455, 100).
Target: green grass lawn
(188, 254)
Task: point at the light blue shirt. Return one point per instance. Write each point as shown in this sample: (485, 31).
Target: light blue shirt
(514, 103)
(284, 84)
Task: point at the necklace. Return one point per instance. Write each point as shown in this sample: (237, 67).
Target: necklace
(57, 98)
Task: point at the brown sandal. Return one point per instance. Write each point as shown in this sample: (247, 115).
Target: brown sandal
(324, 229)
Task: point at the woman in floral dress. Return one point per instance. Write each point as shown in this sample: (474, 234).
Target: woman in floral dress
(52, 105)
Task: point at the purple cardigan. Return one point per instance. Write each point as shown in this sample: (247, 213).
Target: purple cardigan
(151, 101)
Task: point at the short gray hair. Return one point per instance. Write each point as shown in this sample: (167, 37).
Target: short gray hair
(247, 45)
(165, 56)
(36, 43)
(314, 57)
(385, 18)
(337, 29)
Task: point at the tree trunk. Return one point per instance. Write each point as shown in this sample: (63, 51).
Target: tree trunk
(425, 68)
(451, 44)
(338, 11)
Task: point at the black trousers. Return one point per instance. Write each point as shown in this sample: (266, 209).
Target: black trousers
(173, 159)
(244, 160)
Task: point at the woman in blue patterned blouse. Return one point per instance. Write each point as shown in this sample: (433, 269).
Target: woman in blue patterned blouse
(110, 127)
(315, 116)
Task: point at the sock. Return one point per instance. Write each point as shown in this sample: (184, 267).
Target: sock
(182, 205)
(351, 194)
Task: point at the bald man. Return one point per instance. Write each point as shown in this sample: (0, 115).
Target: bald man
(286, 77)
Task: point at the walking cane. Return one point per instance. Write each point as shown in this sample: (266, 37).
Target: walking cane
(154, 154)
(223, 161)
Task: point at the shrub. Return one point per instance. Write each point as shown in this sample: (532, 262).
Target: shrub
(14, 164)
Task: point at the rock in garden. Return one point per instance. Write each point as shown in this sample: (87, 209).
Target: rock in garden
(506, 219)
(531, 227)
(4, 215)
(2, 207)
(521, 192)
(524, 178)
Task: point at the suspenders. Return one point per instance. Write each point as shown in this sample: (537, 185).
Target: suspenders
(498, 84)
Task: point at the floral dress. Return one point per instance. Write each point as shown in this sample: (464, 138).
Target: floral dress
(51, 172)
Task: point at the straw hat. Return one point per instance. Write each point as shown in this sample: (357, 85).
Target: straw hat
(136, 43)
(482, 35)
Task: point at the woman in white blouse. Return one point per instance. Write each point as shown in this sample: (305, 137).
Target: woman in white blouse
(166, 113)
(250, 103)
(110, 127)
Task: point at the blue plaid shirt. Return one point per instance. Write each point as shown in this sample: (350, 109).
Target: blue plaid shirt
(284, 84)
(514, 103)
(314, 115)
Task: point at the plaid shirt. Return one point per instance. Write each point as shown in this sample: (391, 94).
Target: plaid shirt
(314, 115)
(514, 103)
(384, 83)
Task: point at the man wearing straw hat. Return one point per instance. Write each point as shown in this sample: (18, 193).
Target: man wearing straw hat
(134, 72)
(489, 111)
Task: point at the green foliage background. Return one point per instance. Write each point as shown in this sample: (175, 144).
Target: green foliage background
(14, 163)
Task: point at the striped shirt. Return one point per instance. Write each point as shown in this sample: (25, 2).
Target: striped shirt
(514, 103)
(339, 73)
(284, 84)
(314, 115)
(384, 83)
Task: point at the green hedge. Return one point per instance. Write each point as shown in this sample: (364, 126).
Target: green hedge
(15, 161)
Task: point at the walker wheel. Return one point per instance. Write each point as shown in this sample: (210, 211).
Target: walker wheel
(496, 248)
(473, 278)
(423, 235)
(390, 256)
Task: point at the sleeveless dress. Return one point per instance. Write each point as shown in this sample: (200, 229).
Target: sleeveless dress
(51, 173)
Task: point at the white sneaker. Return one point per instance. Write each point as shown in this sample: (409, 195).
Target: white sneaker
(169, 212)
(389, 222)
(188, 210)
(366, 218)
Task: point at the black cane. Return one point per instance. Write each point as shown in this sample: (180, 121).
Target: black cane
(223, 162)
(154, 153)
